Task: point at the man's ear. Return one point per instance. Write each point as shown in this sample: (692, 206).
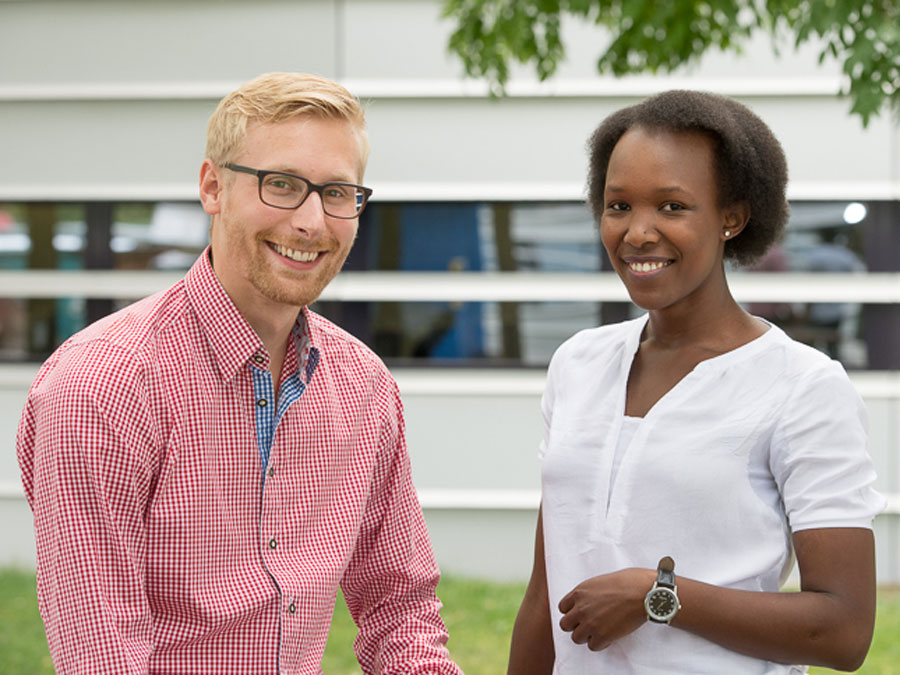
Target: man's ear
(210, 187)
(736, 218)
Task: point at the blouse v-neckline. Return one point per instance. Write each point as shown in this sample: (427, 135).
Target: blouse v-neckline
(719, 361)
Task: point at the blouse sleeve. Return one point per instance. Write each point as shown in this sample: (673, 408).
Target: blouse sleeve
(547, 400)
(819, 457)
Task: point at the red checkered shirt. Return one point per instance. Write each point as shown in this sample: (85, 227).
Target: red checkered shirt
(185, 525)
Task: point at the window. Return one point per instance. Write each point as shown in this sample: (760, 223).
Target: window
(436, 244)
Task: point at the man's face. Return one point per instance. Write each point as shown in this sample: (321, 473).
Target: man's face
(268, 258)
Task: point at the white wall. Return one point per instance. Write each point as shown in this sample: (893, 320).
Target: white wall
(103, 99)
(110, 99)
(473, 437)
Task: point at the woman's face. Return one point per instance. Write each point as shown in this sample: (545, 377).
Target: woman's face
(661, 223)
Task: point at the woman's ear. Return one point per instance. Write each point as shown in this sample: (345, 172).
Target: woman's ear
(210, 187)
(736, 218)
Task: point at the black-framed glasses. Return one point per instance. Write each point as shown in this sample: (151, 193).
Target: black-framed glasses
(288, 191)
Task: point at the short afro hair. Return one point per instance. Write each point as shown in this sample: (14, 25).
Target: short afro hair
(750, 163)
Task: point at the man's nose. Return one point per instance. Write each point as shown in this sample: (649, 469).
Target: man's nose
(309, 217)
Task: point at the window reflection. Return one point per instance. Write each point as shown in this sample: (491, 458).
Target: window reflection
(39, 236)
(822, 237)
(161, 236)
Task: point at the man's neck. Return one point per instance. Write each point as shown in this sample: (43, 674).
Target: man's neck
(275, 327)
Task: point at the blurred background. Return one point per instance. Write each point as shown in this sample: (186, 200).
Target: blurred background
(476, 257)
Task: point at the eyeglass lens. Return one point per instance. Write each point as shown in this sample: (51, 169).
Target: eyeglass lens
(287, 191)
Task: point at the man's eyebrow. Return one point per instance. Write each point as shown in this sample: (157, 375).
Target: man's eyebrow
(294, 172)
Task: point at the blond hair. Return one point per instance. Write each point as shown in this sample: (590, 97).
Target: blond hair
(275, 97)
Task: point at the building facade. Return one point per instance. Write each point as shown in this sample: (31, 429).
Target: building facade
(477, 256)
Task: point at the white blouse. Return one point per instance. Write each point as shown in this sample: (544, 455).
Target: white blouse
(751, 445)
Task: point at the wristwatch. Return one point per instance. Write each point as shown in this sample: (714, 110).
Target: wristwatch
(661, 602)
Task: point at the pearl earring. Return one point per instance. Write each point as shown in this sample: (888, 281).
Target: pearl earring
(727, 233)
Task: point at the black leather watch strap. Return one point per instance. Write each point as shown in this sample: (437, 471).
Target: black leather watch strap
(665, 572)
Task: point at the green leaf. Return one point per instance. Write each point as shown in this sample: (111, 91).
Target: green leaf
(649, 36)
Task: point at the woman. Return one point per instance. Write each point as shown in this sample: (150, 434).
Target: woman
(696, 437)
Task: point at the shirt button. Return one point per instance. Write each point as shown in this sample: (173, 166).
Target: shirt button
(271, 472)
(259, 358)
(292, 608)
(272, 543)
(262, 403)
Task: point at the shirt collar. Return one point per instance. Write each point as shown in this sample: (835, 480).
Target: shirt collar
(305, 345)
(230, 337)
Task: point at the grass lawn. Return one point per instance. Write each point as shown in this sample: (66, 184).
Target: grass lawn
(479, 616)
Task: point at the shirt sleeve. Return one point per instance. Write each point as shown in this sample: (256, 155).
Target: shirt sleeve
(548, 398)
(85, 446)
(819, 457)
(390, 583)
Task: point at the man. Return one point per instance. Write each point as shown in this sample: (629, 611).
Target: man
(209, 465)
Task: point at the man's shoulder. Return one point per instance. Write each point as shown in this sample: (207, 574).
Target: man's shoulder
(132, 326)
(124, 339)
(338, 344)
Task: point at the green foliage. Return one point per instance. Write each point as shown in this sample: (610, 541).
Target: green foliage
(23, 645)
(479, 617)
(649, 36)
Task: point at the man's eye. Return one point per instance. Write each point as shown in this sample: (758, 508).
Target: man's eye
(672, 206)
(281, 183)
(338, 192)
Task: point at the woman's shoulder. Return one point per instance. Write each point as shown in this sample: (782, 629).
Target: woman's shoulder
(801, 359)
(592, 342)
(793, 370)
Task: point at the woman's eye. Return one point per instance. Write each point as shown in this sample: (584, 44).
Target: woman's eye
(672, 206)
(617, 206)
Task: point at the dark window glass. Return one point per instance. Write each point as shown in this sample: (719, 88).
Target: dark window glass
(834, 237)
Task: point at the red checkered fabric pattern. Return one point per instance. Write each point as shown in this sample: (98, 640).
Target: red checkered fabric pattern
(164, 547)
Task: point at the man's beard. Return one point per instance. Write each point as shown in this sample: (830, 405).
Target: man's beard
(278, 285)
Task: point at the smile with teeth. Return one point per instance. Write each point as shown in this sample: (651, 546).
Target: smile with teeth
(649, 266)
(299, 256)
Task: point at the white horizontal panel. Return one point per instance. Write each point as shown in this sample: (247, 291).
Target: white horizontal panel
(17, 376)
(419, 88)
(877, 384)
(449, 499)
(121, 285)
(129, 90)
(485, 381)
(99, 191)
(469, 382)
(141, 41)
(479, 499)
(422, 149)
(461, 191)
(876, 288)
(598, 87)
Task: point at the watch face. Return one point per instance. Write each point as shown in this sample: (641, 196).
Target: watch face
(661, 604)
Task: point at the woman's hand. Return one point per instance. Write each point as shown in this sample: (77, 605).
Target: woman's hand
(600, 610)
